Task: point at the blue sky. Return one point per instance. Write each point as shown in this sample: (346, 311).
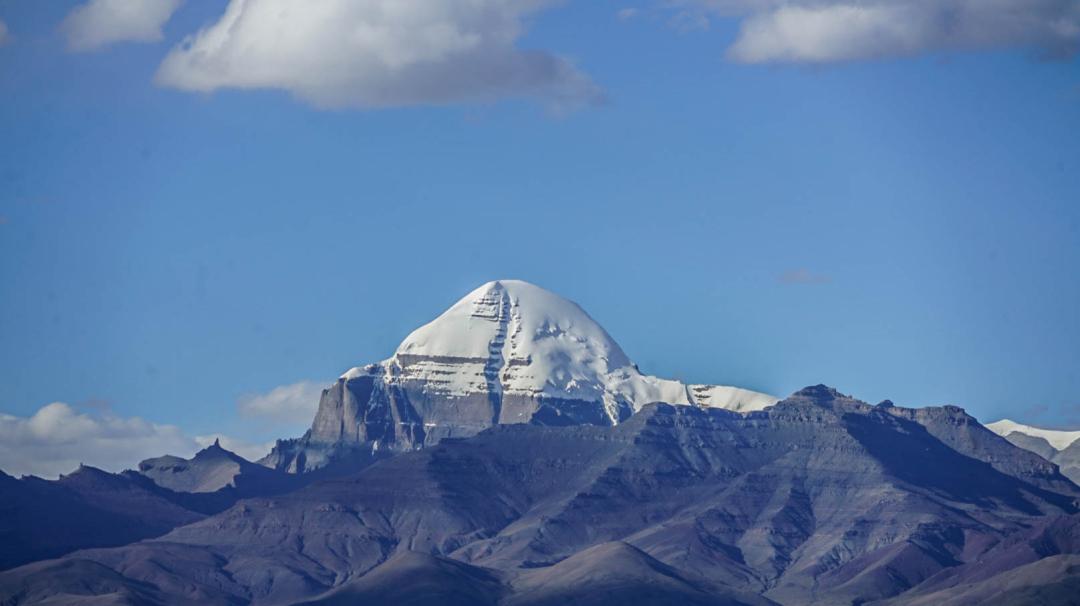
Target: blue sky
(899, 225)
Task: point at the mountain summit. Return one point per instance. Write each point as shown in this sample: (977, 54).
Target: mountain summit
(508, 352)
(515, 338)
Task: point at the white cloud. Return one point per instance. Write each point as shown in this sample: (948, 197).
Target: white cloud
(99, 23)
(376, 53)
(821, 31)
(293, 404)
(57, 438)
(5, 37)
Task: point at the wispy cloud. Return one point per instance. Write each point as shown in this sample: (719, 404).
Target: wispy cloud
(293, 404)
(5, 35)
(824, 31)
(686, 21)
(99, 23)
(803, 276)
(377, 53)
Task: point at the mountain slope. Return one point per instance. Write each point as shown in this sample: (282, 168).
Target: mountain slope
(1038, 565)
(74, 582)
(419, 579)
(820, 499)
(93, 508)
(618, 573)
(88, 508)
(1048, 581)
(508, 352)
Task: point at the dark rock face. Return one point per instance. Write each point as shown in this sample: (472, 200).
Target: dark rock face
(821, 499)
(363, 419)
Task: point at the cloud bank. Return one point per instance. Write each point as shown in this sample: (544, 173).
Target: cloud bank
(293, 404)
(824, 31)
(57, 438)
(376, 53)
(99, 23)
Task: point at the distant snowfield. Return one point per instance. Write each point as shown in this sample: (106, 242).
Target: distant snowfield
(1057, 438)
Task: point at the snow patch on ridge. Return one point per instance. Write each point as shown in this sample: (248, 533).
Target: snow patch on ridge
(1057, 438)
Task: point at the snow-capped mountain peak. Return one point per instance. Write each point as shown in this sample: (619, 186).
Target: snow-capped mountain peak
(1057, 438)
(516, 337)
(508, 352)
(513, 337)
(523, 317)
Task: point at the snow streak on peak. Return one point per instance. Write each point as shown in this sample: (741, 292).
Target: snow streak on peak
(1057, 438)
(512, 337)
